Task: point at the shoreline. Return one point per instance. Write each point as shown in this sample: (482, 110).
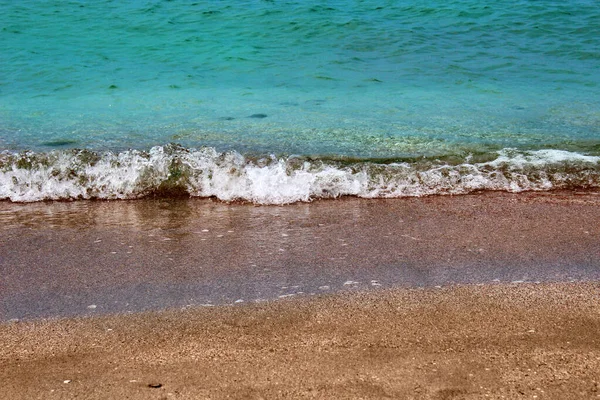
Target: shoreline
(88, 258)
(468, 342)
(351, 298)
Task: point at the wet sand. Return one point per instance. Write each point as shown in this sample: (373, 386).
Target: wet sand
(431, 298)
(89, 258)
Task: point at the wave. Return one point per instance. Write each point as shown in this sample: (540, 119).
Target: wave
(172, 170)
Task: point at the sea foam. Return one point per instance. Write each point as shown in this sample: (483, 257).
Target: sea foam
(175, 171)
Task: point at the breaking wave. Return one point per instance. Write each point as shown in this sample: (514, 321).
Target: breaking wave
(172, 170)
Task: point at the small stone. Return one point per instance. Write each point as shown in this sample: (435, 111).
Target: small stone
(67, 381)
(155, 385)
(258, 116)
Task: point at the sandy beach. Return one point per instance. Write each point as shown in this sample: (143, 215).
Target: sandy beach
(467, 342)
(299, 200)
(492, 295)
(88, 258)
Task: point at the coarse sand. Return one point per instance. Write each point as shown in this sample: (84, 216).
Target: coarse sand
(461, 342)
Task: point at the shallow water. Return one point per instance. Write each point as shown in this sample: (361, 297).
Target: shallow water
(90, 257)
(363, 82)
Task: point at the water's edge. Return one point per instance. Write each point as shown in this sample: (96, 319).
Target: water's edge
(89, 257)
(174, 171)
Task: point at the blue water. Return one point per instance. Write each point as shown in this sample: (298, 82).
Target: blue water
(372, 81)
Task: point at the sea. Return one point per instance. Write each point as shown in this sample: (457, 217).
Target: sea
(283, 101)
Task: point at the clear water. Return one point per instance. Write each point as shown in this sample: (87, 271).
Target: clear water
(357, 82)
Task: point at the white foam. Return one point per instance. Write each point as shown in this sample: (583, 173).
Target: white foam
(230, 176)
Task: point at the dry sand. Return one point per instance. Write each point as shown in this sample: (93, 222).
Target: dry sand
(493, 341)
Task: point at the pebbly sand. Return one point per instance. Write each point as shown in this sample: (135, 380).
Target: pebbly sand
(485, 296)
(493, 341)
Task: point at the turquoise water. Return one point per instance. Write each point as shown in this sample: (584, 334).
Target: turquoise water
(337, 88)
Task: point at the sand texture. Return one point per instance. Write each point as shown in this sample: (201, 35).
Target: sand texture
(487, 296)
(467, 342)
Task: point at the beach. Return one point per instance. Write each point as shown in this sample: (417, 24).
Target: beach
(265, 199)
(491, 295)
(469, 342)
(87, 258)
